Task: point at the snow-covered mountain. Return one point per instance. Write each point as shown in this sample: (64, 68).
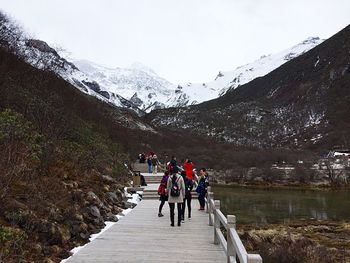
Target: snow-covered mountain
(145, 89)
(225, 80)
(138, 84)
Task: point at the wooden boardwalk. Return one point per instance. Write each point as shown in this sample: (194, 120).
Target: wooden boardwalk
(142, 236)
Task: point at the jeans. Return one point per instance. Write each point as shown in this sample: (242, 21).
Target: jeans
(149, 169)
(172, 213)
(187, 200)
(201, 199)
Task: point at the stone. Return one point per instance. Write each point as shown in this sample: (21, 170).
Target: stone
(108, 179)
(59, 235)
(37, 248)
(92, 198)
(77, 229)
(112, 197)
(84, 235)
(78, 217)
(77, 195)
(94, 211)
(55, 249)
(111, 217)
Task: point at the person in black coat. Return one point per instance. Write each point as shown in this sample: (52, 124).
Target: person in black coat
(188, 196)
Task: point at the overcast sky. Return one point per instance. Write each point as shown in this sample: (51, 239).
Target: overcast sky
(182, 40)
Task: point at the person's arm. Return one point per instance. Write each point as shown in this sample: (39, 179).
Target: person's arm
(168, 186)
(183, 189)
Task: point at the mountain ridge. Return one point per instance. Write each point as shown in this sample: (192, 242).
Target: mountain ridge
(289, 106)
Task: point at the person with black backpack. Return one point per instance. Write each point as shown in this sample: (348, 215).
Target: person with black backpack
(176, 195)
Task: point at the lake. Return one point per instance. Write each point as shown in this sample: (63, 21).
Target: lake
(270, 206)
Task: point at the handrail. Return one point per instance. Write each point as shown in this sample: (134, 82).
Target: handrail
(232, 245)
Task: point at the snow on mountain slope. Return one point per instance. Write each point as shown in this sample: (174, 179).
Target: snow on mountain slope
(146, 90)
(138, 84)
(224, 81)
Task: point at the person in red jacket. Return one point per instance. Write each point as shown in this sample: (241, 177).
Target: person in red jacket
(188, 166)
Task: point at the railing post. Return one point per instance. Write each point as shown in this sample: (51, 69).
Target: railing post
(254, 258)
(208, 199)
(216, 220)
(210, 208)
(231, 253)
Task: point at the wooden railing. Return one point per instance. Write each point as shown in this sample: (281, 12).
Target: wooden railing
(232, 244)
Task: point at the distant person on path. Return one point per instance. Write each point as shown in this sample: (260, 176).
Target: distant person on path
(163, 196)
(188, 166)
(155, 163)
(202, 187)
(149, 162)
(188, 197)
(176, 194)
(142, 158)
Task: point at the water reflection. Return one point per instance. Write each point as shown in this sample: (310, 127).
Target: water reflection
(256, 206)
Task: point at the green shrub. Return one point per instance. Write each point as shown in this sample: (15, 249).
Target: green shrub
(20, 146)
(12, 241)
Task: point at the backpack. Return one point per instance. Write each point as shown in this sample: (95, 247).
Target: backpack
(175, 190)
(161, 189)
(162, 186)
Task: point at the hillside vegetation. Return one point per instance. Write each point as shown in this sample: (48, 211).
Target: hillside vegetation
(62, 170)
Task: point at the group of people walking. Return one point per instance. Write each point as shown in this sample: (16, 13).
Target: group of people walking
(152, 160)
(176, 186)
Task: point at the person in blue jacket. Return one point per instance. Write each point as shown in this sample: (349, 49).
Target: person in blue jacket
(202, 187)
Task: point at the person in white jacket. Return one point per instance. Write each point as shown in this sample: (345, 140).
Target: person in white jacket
(176, 194)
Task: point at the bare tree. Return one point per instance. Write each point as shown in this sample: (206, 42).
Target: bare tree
(336, 176)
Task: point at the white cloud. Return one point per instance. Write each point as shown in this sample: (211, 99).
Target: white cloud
(182, 40)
